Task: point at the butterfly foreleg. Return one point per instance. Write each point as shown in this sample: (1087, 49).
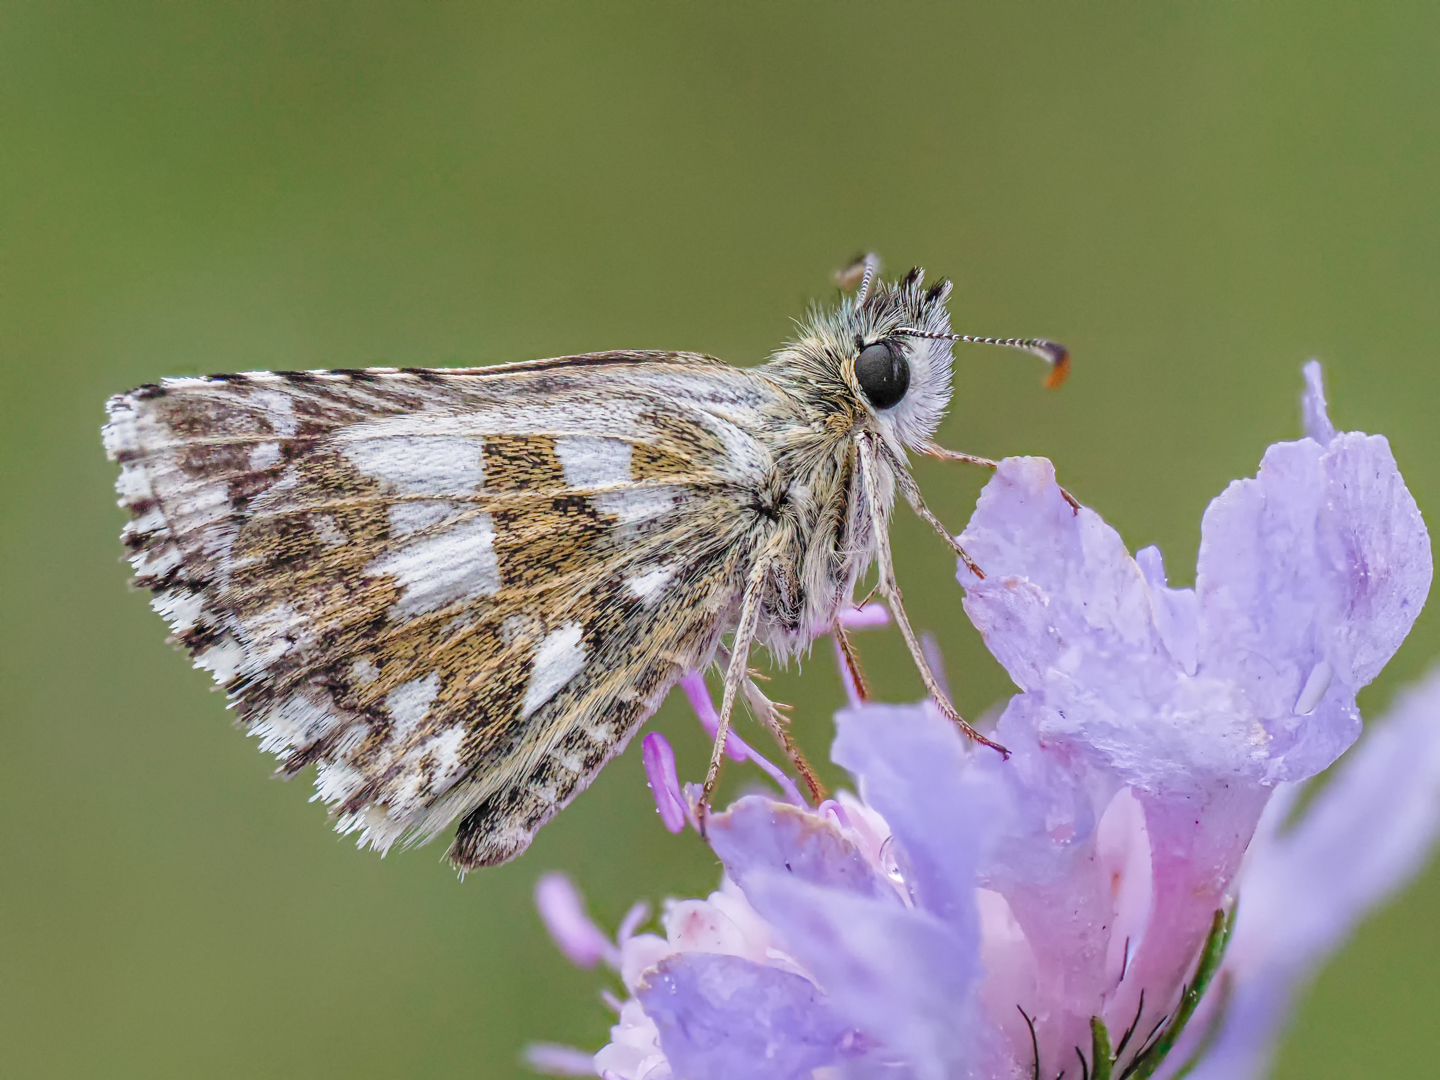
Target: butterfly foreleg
(737, 672)
(776, 722)
(852, 657)
(984, 462)
(911, 491)
(940, 452)
(890, 590)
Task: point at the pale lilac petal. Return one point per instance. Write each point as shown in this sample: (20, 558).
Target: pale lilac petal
(865, 618)
(1070, 615)
(1313, 408)
(1049, 868)
(784, 783)
(563, 911)
(1373, 530)
(917, 971)
(760, 835)
(902, 976)
(633, 1052)
(908, 978)
(640, 953)
(551, 1059)
(634, 918)
(864, 828)
(723, 1017)
(1053, 805)
(664, 781)
(1125, 854)
(1044, 861)
(1176, 611)
(1309, 577)
(1055, 578)
(911, 765)
(1366, 834)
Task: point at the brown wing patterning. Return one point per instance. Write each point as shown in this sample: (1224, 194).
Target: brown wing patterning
(458, 593)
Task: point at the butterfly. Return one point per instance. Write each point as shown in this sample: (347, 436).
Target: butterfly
(459, 592)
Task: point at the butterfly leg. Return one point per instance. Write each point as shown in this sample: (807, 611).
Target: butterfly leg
(890, 590)
(954, 455)
(737, 672)
(970, 459)
(911, 491)
(852, 660)
(770, 715)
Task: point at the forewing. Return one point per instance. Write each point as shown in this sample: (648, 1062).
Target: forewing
(458, 593)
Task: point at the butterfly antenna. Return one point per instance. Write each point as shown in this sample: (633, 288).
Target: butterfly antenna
(864, 268)
(1053, 353)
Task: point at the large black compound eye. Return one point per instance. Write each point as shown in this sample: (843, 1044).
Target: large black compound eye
(883, 373)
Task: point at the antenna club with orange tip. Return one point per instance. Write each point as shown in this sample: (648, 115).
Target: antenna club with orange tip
(1059, 366)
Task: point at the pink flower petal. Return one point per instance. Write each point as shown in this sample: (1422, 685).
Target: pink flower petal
(551, 1059)
(664, 781)
(865, 618)
(563, 911)
(1313, 408)
(699, 694)
(735, 747)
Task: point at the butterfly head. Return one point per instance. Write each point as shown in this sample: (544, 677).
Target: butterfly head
(882, 360)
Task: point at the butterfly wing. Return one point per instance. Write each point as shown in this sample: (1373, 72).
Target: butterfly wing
(457, 592)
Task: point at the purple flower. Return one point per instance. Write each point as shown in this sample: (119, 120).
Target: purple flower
(563, 912)
(665, 781)
(964, 916)
(1304, 888)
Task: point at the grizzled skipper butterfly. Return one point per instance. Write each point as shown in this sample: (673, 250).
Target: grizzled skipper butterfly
(460, 592)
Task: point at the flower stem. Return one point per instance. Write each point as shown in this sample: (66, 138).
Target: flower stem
(1211, 955)
(1100, 1050)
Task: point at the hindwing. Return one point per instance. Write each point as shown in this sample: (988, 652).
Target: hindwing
(456, 592)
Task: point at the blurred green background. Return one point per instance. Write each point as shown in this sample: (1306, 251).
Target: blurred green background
(1196, 198)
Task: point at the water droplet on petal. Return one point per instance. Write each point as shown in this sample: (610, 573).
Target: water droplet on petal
(1314, 689)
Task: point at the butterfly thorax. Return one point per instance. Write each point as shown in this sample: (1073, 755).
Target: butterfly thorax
(829, 535)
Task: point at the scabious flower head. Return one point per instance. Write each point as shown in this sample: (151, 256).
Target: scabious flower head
(1063, 911)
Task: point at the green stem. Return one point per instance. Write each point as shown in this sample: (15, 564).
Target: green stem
(1150, 1056)
(1100, 1050)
